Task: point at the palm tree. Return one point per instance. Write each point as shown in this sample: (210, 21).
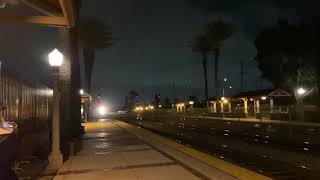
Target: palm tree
(202, 46)
(217, 33)
(93, 35)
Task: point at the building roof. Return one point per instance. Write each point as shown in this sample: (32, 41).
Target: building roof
(54, 12)
(265, 92)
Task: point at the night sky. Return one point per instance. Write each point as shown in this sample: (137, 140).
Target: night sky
(152, 54)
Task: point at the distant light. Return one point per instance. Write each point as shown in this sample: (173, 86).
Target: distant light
(301, 91)
(251, 99)
(160, 106)
(182, 104)
(223, 98)
(264, 98)
(102, 110)
(147, 108)
(225, 79)
(225, 101)
(230, 87)
(191, 102)
(81, 92)
(55, 58)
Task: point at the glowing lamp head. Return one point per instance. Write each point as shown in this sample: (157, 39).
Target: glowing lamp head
(55, 58)
(223, 98)
(191, 102)
(301, 91)
(81, 92)
(263, 98)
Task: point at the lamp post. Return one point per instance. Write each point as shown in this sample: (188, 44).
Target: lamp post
(300, 93)
(55, 157)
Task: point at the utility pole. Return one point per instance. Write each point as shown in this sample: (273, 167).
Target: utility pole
(241, 75)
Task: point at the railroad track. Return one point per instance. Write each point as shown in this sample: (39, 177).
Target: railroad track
(260, 164)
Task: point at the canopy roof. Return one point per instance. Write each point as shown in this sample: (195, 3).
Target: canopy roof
(53, 12)
(265, 92)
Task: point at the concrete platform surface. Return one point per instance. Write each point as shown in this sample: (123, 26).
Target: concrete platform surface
(109, 151)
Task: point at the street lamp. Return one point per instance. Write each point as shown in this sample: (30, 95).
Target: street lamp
(300, 94)
(55, 157)
(301, 91)
(81, 92)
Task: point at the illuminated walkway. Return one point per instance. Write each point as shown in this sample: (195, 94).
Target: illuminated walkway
(110, 152)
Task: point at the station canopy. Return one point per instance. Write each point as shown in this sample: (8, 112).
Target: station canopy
(43, 12)
(257, 94)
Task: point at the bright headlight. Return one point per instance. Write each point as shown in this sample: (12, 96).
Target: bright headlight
(102, 110)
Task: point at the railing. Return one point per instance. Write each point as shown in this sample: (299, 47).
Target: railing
(23, 102)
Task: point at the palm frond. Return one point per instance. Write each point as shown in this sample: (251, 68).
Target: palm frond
(94, 34)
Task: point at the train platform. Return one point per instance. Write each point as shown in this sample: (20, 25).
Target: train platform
(116, 150)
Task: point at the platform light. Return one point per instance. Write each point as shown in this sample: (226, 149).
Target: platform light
(263, 98)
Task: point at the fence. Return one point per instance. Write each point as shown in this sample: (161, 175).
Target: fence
(23, 102)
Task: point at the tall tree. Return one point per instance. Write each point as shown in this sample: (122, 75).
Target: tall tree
(202, 46)
(217, 33)
(284, 55)
(93, 35)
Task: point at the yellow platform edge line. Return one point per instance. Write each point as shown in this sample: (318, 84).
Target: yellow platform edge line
(232, 169)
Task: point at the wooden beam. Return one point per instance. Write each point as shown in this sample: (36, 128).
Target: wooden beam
(41, 20)
(43, 8)
(68, 11)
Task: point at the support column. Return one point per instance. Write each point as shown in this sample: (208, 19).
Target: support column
(230, 109)
(65, 92)
(245, 106)
(271, 106)
(215, 106)
(222, 107)
(258, 106)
